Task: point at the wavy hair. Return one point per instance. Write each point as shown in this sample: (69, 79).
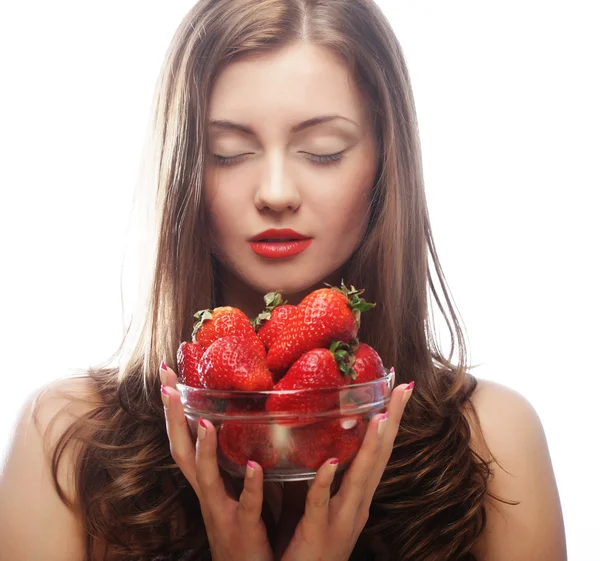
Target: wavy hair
(132, 496)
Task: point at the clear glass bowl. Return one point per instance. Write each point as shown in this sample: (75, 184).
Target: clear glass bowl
(290, 445)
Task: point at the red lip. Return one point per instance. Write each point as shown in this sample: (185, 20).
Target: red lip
(278, 234)
(278, 244)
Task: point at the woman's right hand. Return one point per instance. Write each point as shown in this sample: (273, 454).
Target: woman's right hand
(235, 528)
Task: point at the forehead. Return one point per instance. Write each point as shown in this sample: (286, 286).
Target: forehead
(288, 85)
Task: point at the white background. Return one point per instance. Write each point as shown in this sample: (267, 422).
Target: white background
(507, 96)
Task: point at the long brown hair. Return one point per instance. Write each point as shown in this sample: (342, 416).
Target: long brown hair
(430, 503)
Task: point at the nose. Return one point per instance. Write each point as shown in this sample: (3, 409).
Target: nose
(277, 190)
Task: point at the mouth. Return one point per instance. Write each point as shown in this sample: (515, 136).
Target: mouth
(274, 240)
(279, 244)
(279, 235)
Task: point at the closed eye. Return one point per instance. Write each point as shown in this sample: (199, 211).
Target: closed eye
(227, 160)
(326, 159)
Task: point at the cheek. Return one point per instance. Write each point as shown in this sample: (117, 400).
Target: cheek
(225, 208)
(348, 215)
(344, 208)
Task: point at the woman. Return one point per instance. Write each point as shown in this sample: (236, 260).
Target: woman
(284, 114)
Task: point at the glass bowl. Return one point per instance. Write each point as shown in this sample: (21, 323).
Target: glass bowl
(308, 427)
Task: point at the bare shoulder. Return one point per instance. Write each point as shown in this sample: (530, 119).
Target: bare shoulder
(512, 439)
(61, 400)
(53, 410)
(500, 409)
(34, 522)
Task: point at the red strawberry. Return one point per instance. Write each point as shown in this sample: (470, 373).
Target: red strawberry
(272, 321)
(255, 344)
(243, 441)
(313, 445)
(188, 356)
(367, 365)
(213, 324)
(234, 362)
(323, 316)
(315, 369)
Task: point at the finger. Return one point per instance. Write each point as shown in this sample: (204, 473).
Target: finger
(354, 482)
(398, 401)
(182, 446)
(168, 377)
(251, 498)
(316, 511)
(212, 488)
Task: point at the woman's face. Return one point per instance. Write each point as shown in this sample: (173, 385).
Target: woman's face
(269, 168)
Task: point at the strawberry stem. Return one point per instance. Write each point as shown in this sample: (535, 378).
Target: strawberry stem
(344, 358)
(353, 345)
(202, 316)
(272, 300)
(356, 303)
(260, 319)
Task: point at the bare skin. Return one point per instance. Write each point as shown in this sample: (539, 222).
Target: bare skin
(35, 524)
(328, 528)
(277, 184)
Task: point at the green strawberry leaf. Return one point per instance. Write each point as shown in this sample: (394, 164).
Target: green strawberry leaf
(260, 319)
(272, 300)
(344, 358)
(353, 345)
(347, 370)
(202, 315)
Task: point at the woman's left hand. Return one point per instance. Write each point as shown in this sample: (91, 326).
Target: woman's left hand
(330, 526)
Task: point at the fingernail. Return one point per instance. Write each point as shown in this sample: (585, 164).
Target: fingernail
(164, 394)
(163, 366)
(407, 393)
(382, 424)
(201, 429)
(250, 467)
(334, 462)
(163, 377)
(332, 465)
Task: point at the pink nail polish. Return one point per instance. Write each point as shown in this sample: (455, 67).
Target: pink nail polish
(163, 366)
(409, 387)
(251, 464)
(201, 430)
(334, 462)
(164, 395)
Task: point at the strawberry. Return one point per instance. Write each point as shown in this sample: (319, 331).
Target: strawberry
(323, 316)
(213, 324)
(188, 356)
(315, 369)
(271, 322)
(243, 441)
(235, 362)
(312, 445)
(367, 364)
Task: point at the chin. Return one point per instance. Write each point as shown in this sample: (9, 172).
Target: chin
(294, 286)
(294, 279)
(287, 286)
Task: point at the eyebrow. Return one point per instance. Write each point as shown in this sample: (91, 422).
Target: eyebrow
(246, 129)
